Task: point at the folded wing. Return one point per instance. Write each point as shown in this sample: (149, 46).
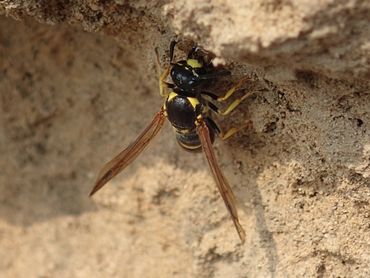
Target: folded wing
(123, 159)
(222, 184)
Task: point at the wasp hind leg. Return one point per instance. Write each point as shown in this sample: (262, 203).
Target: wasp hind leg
(222, 135)
(232, 131)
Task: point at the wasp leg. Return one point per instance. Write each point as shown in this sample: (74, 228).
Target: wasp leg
(221, 134)
(162, 83)
(226, 135)
(226, 96)
(208, 103)
(209, 94)
(232, 131)
(232, 90)
(229, 108)
(234, 104)
(211, 124)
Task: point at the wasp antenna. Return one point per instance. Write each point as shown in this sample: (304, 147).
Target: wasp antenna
(172, 49)
(157, 59)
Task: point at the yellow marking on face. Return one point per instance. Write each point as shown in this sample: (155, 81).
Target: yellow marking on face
(171, 96)
(194, 63)
(193, 101)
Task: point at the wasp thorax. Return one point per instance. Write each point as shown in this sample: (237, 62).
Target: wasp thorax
(185, 77)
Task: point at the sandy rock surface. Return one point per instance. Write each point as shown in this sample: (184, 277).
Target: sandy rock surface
(78, 83)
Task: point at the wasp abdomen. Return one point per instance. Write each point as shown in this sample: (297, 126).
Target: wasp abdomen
(182, 111)
(190, 140)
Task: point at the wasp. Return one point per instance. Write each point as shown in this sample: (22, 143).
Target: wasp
(190, 109)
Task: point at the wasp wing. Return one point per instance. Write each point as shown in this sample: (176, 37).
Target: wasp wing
(124, 158)
(222, 184)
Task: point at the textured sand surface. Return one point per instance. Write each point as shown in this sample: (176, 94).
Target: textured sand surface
(78, 83)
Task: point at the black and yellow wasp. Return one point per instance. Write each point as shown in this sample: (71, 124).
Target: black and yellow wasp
(189, 109)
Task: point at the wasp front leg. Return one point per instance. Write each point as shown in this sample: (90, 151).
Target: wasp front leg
(163, 85)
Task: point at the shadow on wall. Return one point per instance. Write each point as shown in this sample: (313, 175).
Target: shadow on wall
(61, 106)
